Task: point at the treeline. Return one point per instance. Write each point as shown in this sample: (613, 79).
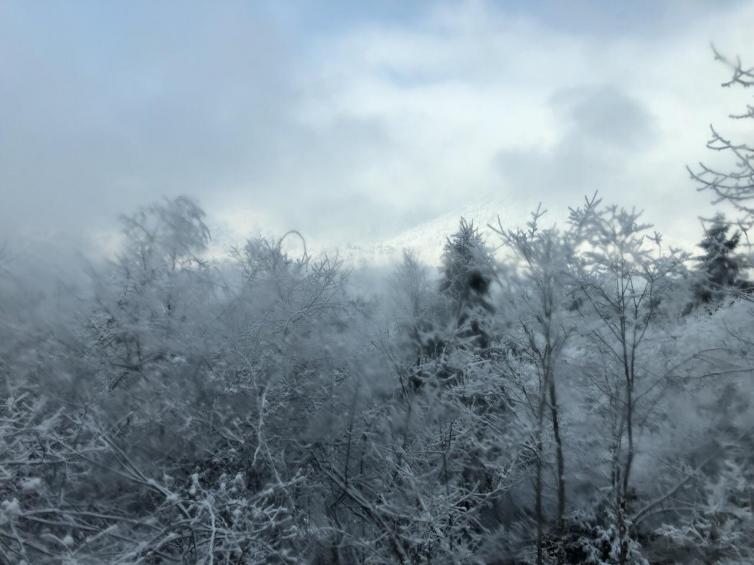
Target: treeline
(581, 394)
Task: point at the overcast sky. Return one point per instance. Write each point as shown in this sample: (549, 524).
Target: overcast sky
(355, 121)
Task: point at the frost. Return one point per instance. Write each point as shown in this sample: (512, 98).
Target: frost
(31, 484)
(561, 393)
(194, 484)
(11, 507)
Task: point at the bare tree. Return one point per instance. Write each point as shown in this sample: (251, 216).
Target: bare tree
(621, 273)
(735, 185)
(545, 255)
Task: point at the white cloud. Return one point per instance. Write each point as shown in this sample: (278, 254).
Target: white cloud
(471, 101)
(365, 129)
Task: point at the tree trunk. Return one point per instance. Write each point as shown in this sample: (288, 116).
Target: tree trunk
(560, 460)
(538, 510)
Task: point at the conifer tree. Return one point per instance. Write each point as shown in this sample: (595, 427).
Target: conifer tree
(719, 266)
(467, 275)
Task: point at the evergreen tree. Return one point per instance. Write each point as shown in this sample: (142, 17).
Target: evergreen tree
(719, 266)
(467, 274)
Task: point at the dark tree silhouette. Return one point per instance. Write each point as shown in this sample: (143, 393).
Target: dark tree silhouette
(467, 274)
(720, 268)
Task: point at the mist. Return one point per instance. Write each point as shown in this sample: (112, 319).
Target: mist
(373, 283)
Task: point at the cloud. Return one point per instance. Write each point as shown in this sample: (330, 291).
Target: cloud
(605, 115)
(477, 100)
(358, 126)
(603, 134)
(113, 109)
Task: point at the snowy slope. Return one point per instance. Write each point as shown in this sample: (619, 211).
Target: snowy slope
(427, 239)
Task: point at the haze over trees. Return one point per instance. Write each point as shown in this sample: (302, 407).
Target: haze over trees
(579, 393)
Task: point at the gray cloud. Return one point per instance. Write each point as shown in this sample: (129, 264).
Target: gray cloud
(603, 114)
(603, 131)
(346, 126)
(97, 120)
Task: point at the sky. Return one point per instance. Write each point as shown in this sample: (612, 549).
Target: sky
(355, 122)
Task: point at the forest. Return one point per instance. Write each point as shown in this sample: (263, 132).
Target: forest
(575, 393)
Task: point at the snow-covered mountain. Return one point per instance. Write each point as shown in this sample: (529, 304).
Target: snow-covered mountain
(427, 239)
